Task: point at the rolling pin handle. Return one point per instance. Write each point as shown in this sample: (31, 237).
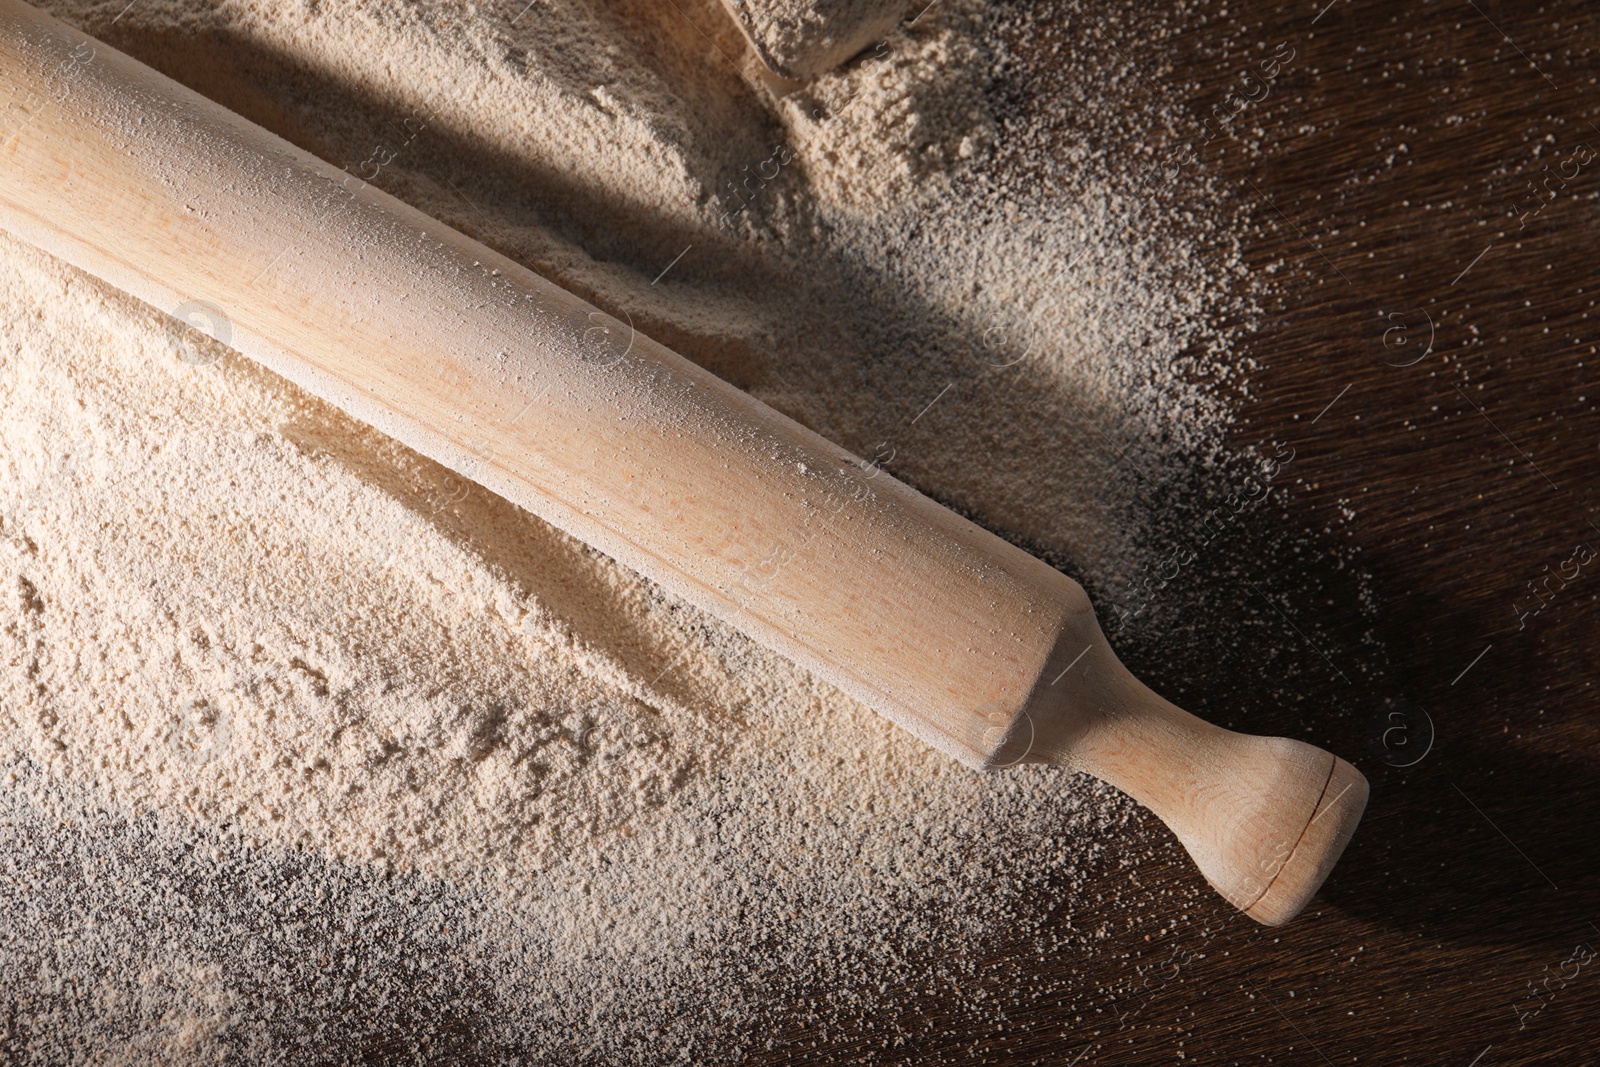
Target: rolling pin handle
(1265, 818)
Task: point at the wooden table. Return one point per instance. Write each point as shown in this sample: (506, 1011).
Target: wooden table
(1459, 928)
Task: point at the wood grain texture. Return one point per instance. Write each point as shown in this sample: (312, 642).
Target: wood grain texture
(1441, 937)
(1450, 932)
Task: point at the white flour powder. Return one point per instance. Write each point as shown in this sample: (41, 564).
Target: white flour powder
(308, 741)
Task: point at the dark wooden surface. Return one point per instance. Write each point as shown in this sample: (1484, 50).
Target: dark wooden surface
(1386, 163)
(1383, 165)
(1377, 182)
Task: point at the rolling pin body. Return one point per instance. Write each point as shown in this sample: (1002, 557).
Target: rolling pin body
(477, 362)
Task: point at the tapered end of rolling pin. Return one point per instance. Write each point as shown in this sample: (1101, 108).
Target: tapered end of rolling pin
(1319, 847)
(1265, 818)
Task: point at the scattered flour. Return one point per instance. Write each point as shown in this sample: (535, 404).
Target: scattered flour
(308, 744)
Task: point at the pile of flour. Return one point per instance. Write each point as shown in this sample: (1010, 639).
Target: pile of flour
(804, 38)
(307, 742)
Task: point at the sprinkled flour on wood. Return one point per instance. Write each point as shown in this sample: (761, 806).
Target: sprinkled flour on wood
(309, 746)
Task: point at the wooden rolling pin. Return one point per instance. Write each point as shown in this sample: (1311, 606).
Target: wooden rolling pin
(966, 641)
